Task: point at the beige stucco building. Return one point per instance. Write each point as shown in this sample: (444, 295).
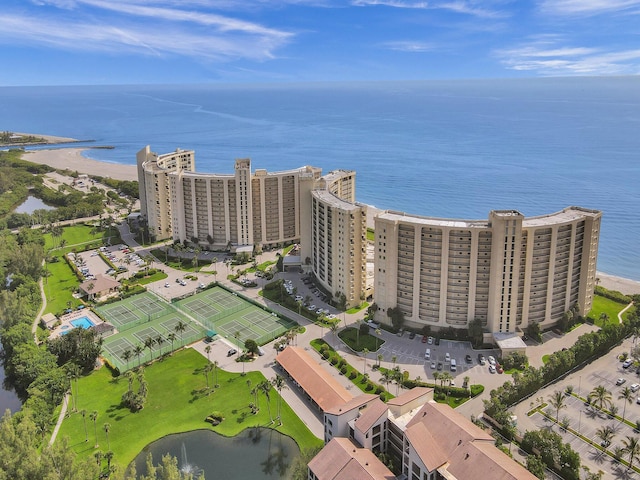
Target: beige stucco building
(508, 271)
(258, 209)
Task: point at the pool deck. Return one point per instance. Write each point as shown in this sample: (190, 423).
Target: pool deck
(65, 321)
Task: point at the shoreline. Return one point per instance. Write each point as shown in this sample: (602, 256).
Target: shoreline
(71, 158)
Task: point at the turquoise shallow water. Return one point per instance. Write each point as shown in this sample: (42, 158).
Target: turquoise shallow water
(445, 149)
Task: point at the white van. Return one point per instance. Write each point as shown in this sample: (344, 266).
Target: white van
(427, 354)
(453, 364)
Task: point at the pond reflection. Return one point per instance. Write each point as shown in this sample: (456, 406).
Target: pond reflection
(254, 453)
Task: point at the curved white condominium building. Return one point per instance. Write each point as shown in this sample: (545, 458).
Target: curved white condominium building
(258, 209)
(508, 272)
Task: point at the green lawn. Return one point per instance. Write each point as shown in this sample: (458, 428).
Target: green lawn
(177, 402)
(350, 336)
(605, 305)
(80, 236)
(59, 286)
(360, 307)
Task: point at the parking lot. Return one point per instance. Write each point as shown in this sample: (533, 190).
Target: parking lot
(585, 419)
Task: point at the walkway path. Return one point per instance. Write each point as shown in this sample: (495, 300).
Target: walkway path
(63, 413)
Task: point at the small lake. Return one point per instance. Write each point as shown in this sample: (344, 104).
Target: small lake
(31, 204)
(8, 398)
(254, 453)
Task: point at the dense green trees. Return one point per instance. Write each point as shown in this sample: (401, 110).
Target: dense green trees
(80, 347)
(554, 453)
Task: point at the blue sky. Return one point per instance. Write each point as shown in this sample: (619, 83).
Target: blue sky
(69, 42)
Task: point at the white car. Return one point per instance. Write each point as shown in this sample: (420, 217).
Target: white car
(447, 357)
(492, 369)
(491, 360)
(433, 365)
(620, 381)
(635, 387)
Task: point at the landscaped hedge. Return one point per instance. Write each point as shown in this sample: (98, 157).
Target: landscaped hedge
(613, 295)
(361, 381)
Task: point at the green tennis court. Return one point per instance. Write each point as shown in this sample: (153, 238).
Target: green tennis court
(233, 317)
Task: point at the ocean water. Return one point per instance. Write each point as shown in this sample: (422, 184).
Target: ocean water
(455, 149)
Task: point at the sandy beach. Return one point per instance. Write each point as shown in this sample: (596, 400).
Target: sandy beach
(72, 159)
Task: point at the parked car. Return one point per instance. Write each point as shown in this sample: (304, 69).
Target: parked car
(627, 363)
(167, 285)
(620, 381)
(481, 359)
(424, 339)
(430, 340)
(447, 357)
(232, 351)
(412, 335)
(635, 387)
(492, 369)
(499, 368)
(492, 361)
(433, 365)
(439, 365)
(467, 358)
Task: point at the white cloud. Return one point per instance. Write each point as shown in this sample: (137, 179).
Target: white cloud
(81, 35)
(466, 7)
(589, 7)
(545, 58)
(408, 46)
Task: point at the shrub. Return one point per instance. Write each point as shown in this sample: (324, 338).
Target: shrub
(476, 390)
(353, 375)
(369, 387)
(215, 418)
(343, 370)
(334, 361)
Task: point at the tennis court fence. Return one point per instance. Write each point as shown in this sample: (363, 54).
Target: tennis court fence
(147, 355)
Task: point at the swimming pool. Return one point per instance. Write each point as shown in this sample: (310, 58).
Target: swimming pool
(82, 322)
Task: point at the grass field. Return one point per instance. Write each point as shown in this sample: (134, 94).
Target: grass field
(79, 237)
(370, 342)
(605, 305)
(177, 402)
(59, 287)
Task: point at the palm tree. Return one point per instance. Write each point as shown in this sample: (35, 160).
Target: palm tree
(380, 358)
(180, 328)
(94, 417)
(604, 318)
(358, 322)
(631, 448)
(149, 343)
(137, 351)
(207, 350)
(107, 427)
(172, 338)
(83, 412)
(556, 400)
(159, 341)
(208, 367)
(600, 396)
(605, 434)
(215, 373)
(73, 372)
(378, 332)
(108, 457)
(278, 382)
(365, 352)
(334, 329)
(265, 387)
(126, 356)
(627, 395)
